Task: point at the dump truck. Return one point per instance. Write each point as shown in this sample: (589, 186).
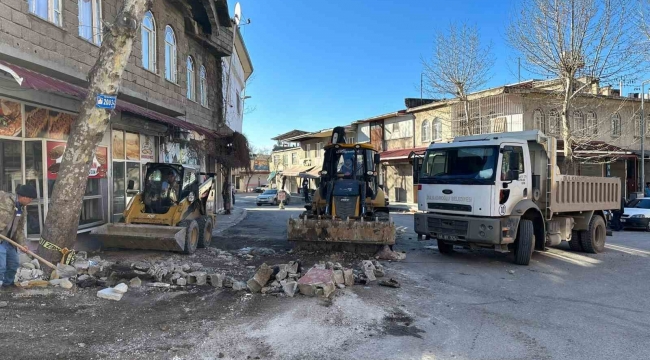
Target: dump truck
(173, 212)
(348, 211)
(505, 191)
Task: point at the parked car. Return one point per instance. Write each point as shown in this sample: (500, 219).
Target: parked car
(270, 197)
(261, 189)
(637, 214)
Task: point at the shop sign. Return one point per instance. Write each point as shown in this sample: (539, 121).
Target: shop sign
(146, 148)
(55, 152)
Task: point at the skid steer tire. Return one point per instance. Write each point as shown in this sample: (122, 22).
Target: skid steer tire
(525, 242)
(191, 235)
(593, 239)
(445, 248)
(205, 231)
(576, 243)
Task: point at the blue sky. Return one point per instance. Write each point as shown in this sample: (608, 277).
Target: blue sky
(320, 64)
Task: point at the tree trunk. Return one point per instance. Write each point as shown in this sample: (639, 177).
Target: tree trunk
(467, 117)
(566, 126)
(88, 130)
(248, 182)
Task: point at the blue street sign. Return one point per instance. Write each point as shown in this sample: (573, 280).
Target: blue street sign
(106, 101)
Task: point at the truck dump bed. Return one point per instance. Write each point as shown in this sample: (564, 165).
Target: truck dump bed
(584, 193)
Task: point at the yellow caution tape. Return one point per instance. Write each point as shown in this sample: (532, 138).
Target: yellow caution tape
(67, 256)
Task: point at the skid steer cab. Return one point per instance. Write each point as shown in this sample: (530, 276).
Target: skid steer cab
(170, 213)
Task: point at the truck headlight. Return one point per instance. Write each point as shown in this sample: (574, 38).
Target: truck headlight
(638, 216)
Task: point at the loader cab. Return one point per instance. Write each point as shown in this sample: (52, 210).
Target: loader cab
(167, 185)
(351, 163)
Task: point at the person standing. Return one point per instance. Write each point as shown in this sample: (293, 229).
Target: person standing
(305, 189)
(234, 191)
(225, 193)
(12, 223)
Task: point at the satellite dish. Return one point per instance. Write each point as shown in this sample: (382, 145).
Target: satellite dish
(237, 16)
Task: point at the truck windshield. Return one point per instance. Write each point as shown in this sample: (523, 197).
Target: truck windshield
(467, 165)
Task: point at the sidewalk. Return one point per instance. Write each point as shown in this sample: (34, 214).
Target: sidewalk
(403, 207)
(225, 222)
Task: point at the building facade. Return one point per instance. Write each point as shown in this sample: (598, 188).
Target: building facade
(234, 82)
(170, 97)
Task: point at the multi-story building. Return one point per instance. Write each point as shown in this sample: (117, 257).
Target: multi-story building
(234, 82)
(170, 97)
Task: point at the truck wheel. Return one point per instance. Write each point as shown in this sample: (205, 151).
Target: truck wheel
(575, 243)
(593, 240)
(205, 231)
(191, 235)
(445, 248)
(525, 242)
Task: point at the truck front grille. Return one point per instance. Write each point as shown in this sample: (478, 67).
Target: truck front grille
(450, 207)
(345, 206)
(447, 227)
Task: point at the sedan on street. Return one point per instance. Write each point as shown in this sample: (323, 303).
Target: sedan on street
(637, 214)
(270, 197)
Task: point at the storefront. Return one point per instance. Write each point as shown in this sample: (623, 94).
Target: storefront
(32, 142)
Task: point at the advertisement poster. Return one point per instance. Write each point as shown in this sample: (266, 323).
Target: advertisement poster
(49, 124)
(55, 156)
(261, 165)
(146, 148)
(132, 146)
(118, 145)
(11, 118)
(175, 153)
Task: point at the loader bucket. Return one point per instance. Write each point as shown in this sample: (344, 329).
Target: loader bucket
(144, 237)
(341, 231)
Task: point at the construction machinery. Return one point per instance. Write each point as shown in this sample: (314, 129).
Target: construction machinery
(173, 212)
(348, 210)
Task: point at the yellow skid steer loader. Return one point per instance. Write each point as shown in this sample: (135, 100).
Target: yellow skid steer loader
(170, 214)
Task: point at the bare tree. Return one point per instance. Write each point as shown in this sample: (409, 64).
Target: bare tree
(460, 64)
(60, 230)
(581, 43)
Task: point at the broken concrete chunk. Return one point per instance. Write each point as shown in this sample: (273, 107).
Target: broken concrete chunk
(293, 267)
(36, 263)
(185, 267)
(93, 270)
(390, 283)
(239, 285)
(65, 271)
(253, 286)
(348, 276)
(142, 266)
(38, 283)
(66, 284)
(121, 288)
(289, 287)
(195, 267)
(387, 254)
(263, 274)
(216, 280)
(181, 282)
(198, 278)
(83, 277)
(340, 286)
(56, 282)
(109, 294)
(228, 281)
(160, 284)
(28, 265)
(135, 282)
(338, 277)
(317, 282)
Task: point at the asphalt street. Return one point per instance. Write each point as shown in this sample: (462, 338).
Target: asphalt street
(470, 305)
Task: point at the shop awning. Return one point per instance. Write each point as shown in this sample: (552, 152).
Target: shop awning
(400, 154)
(271, 176)
(37, 81)
(311, 174)
(294, 171)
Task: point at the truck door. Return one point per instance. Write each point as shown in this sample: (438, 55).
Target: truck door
(514, 168)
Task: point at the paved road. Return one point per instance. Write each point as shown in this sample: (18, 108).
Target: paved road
(471, 305)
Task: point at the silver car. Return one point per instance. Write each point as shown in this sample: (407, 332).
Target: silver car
(270, 197)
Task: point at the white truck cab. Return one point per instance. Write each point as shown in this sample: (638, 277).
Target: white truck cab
(504, 191)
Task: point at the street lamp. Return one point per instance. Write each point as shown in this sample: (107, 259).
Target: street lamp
(643, 136)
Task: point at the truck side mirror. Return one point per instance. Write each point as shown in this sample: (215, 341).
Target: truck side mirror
(377, 159)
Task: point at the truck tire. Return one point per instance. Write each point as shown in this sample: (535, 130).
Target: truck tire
(593, 240)
(576, 243)
(445, 248)
(191, 235)
(525, 242)
(205, 231)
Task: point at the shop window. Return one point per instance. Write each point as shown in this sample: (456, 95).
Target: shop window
(132, 142)
(10, 164)
(118, 145)
(49, 10)
(49, 124)
(149, 42)
(119, 190)
(90, 20)
(34, 177)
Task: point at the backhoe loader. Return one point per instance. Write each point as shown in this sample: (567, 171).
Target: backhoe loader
(348, 210)
(171, 213)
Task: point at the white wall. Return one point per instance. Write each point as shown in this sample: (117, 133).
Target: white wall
(398, 128)
(233, 102)
(363, 132)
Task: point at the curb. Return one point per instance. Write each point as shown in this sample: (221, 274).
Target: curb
(232, 223)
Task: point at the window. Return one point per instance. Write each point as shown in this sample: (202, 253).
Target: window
(190, 79)
(616, 125)
(425, 131)
(285, 159)
(592, 123)
(49, 10)
(90, 20)
(436, 129)
(203, 86)
(553, 122)
(149, 42)
(238, 103)
(350, 140)
(307, 151)
(579, 124)
(170, 54)
(538, 120)
(294, 158)
(512, 164)
(319, 149)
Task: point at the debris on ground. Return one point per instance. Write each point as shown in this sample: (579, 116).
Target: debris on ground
(390, 283)
(387, 254)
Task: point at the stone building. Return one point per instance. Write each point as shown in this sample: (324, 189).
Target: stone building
(170, 97)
